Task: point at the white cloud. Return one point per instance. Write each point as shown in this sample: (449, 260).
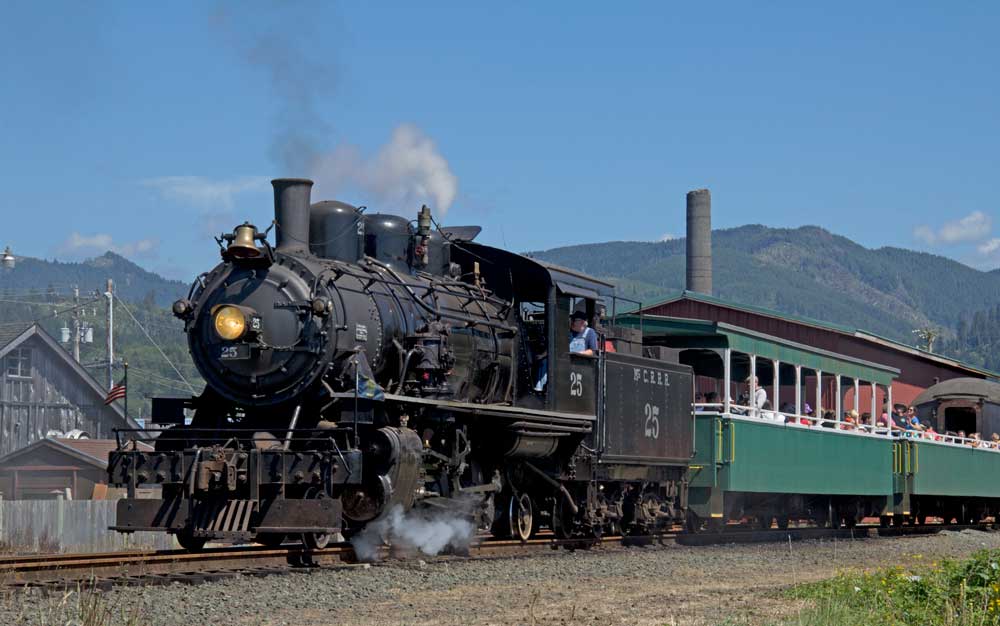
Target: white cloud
(975, 226)
(206, 192)
(78, 246)
(402, 174)
(989, 247)
(667, 237)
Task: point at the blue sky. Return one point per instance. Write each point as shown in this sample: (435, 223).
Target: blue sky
(147, 127)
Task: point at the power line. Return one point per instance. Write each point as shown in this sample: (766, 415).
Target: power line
(61, 311)
(158, 379)
(155, 345)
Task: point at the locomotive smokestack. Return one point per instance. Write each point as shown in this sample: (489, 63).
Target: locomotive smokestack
(699, 241)
(291, 212)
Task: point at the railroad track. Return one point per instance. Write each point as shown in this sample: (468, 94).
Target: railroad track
(54, 572)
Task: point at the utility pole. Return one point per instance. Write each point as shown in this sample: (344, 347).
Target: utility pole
(76, 323)
(110, 295)
(125, 383)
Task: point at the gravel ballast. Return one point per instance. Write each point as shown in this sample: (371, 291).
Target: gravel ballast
(653, 585)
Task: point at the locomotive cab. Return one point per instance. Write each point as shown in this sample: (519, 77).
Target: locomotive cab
(548, 375)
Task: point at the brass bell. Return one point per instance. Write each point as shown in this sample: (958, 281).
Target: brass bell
(243, 244)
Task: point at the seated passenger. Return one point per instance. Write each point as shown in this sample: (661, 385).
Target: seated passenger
(995, 441)
(897, 422)
(711, 398)
(960, 437)
(974, 440)
(807, 412)
(912, 420)
(736, 407)
(850, 420)
(883, 421)
(931, 434)
(582, 340)
(829, 419)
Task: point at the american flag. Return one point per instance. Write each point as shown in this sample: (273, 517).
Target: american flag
(115, 393)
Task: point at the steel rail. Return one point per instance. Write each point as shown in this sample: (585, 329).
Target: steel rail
(48, 570)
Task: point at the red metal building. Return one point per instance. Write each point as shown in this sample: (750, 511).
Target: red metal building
(918, 369)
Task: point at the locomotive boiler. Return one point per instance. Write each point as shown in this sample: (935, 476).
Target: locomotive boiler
(368, 361)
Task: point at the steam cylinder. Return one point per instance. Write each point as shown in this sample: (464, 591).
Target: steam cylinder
(699, 241)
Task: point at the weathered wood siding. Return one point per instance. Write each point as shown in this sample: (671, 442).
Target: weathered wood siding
(51, 397)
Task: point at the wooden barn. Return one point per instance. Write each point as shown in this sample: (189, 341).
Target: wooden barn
(42, 389)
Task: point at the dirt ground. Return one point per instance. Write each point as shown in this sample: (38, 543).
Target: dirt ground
(663, 585)
(644, 586)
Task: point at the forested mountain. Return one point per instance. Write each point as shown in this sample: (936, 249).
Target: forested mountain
(131, 281)
(977, 339)
(805, 271)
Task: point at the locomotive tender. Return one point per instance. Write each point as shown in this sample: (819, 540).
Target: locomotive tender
(367, 361)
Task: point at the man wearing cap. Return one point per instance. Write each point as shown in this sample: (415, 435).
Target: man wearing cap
(582, 340)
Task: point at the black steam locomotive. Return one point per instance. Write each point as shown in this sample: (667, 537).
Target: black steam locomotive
(367, 362)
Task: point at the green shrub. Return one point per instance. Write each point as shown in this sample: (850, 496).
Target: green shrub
(950, 593)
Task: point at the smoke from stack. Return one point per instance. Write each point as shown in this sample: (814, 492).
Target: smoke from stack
(699, 241)
(399, 176)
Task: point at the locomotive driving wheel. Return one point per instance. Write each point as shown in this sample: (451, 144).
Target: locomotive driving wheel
(521, 516)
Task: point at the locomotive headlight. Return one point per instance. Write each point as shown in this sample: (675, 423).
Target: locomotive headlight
(230, 322)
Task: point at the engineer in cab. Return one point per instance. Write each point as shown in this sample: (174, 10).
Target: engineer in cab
(582, 338)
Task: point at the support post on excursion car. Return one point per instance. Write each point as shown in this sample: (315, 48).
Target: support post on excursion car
(776, 398)
(874, 401)
(727, 379)
(798, 390)
(837, 403)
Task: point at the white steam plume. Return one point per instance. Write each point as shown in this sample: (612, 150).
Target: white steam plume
(404, 173)
(427, 532)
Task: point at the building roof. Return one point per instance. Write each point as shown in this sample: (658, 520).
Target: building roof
(91, 451)
(678, 332)
(972, 388)
(9, 331)
(857, 333)
(14, 334)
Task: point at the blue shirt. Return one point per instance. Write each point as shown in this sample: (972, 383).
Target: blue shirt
(586, 340)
